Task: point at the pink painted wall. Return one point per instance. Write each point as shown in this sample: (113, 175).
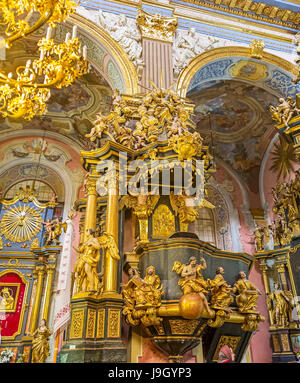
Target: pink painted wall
(260, 347)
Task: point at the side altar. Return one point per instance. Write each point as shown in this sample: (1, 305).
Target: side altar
(28, 263)
(146, 182)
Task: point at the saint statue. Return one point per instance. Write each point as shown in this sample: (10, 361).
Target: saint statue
(153, 280)
(248, 293)
(40, 344)
(142, 297)
(86, 273)
(221, 297)
(192, 281)
(259, 238)
(280, 304)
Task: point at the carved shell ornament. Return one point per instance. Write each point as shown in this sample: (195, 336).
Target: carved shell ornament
(20, 223)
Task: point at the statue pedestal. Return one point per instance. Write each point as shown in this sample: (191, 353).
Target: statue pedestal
(95, 331)
(281, 345)
(292, 131)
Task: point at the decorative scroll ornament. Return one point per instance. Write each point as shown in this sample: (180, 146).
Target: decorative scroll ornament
(221, 316)
(187, 145)
(251, 322)
(27, 194)
(156, 27)
(21, 223)
(142, 298)
(256, 49)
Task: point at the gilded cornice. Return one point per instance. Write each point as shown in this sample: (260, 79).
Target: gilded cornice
(253, 10)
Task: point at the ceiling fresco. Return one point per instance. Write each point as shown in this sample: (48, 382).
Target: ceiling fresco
(235, 115)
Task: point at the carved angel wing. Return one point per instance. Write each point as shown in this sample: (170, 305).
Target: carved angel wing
(178, 267)
(152, 201)
(128, 201)
(175, 202)
(107, 242)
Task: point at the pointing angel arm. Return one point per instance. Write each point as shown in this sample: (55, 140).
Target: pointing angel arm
(178, 267)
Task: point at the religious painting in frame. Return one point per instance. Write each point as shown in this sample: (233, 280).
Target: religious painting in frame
(9, 293)
(13, 291)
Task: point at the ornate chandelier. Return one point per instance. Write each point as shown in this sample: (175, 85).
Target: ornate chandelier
(25, 93)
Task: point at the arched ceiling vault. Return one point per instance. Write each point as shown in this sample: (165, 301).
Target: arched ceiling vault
(232, 93)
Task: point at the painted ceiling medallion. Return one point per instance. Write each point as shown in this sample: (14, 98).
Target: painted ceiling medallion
(20, 223)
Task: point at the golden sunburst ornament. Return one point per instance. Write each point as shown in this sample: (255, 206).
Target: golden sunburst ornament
(20, 223)
(284, 156)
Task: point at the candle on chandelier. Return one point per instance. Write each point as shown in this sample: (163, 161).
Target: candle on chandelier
(67, 36)
(74, 34)
(28, 63)
(49, 33)
(84, 52)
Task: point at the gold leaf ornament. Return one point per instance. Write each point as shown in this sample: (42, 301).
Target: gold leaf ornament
(20, 223)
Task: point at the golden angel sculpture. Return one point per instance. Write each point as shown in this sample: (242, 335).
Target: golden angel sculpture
(40, 343)
(142, 204)
(86, 267)
(280, 305)
(54, 230)
(248, 294)
(187, 208)
(286, 110)
(142, 297)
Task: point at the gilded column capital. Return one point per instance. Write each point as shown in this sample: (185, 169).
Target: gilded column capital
(40, 270)
(280, 267)
(50, 268)
(263, 268)
(90, 187)
(156, 27)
